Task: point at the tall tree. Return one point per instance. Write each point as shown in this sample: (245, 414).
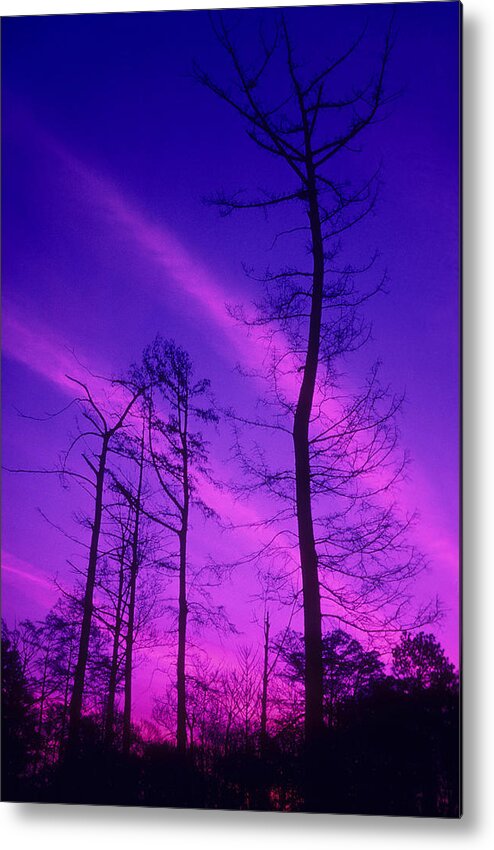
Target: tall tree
(104, 411)
(178, 454)
(315, 311)
(102, 429)
(113, 586)
(137, 543)
(127, 603)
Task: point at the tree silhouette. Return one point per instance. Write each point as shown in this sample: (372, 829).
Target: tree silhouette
(349, 671)
(419, 661)
(175, 403)
(98, 435)
(133, 450)
(353, 550)
(18, 720)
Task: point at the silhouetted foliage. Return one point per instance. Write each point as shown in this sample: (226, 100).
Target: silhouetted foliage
(419, 662)
(390, 747)
(349, 671)
(18, 722)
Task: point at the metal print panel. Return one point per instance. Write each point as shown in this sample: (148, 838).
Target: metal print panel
(231, 275)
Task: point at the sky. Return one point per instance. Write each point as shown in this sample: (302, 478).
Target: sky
(109, 148)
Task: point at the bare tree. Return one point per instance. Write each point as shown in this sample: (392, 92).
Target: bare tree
(103, 416)
(134, 498)
(102, 428)
(178, 454)
(353, 553)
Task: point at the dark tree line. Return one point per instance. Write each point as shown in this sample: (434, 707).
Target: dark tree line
(392, 746)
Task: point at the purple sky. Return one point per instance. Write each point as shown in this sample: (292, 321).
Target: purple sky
(109, 146)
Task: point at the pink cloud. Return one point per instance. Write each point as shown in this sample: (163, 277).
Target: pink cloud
(26, 581)
(38, 348)
(45, 352)
(24, 570)
(158, 244)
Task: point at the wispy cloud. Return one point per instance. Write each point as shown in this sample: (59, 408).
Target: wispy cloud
(157, 243)
(27, 573)
(38, 347)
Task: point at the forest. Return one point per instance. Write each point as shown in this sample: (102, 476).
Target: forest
(341, 697)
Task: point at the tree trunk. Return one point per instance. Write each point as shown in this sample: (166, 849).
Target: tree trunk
(264, 696)
(129, 647)
(182, 599)
(129, 644)
(112, 685)
(42, 697)
(182, 638)
(40, 716)
(65, 702)
(80, 669)
(307, 546)
(226, 746)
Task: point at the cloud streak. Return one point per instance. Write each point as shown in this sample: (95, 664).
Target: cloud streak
(29, 580)
(45, 353)
(38, 348)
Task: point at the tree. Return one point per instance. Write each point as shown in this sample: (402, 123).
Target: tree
(133, 450)
(349, 671)
(62, 647)
(103, 428)
(48, 655)
(248, 687)
(419, 661)
(127, 588)
(18, 719)
(343, 443)
(104, 411)
(113, 586)
(178, 455)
